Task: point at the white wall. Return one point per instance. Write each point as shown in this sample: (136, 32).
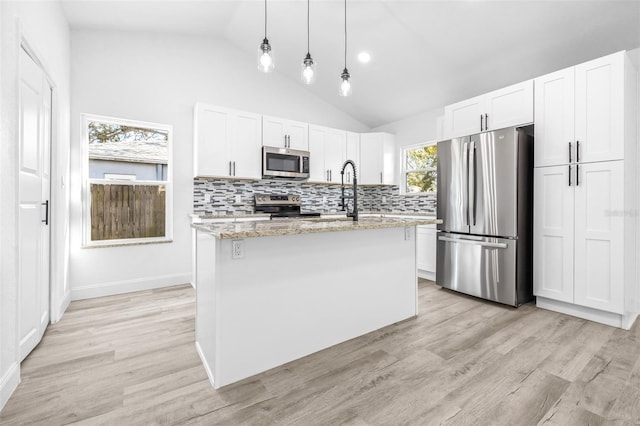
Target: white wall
(43, 25)
(159, 78)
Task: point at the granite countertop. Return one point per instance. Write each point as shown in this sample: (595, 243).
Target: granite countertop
(252, 229)
(194, 216)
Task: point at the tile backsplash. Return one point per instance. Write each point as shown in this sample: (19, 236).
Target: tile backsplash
(228, 196)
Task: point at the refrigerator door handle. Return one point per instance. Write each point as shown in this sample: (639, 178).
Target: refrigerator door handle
(474, 183)
(465, 161)
(473, 242)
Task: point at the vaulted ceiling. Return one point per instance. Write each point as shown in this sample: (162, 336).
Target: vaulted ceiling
(425, 54)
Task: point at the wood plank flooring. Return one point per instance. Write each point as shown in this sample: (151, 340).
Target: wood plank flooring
(130, 360)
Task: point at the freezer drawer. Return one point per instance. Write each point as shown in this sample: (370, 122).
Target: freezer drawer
(480, 266)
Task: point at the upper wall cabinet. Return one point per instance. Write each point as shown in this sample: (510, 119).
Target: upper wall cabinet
(283, 133)
(579, 113)
(328, 149)
(501, 108)
(353, 154)
(226, 142)
(377, 158)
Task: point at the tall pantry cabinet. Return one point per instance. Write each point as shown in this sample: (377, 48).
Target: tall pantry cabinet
(586, 191)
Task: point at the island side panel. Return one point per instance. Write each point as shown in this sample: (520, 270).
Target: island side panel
(292, 295)
(205, 280)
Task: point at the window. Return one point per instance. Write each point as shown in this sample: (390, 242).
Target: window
(127, 192)
(420, 163)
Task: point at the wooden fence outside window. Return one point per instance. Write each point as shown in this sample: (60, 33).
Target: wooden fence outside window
(124, 211)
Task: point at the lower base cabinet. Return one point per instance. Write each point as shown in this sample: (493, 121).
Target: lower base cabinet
(426, 251)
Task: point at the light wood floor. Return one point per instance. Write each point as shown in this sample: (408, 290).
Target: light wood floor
(130, 359)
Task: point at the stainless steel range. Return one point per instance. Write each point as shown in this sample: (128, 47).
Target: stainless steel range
(280, 206)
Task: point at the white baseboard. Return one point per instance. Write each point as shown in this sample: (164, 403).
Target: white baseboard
(205, 364)
(9, 383)
(128, 286)
(428, 275)
(615, 320)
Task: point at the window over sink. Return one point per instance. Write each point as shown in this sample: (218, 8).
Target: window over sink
(420, 168)
(127, 181)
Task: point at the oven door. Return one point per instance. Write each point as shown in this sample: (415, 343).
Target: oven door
(283, 163)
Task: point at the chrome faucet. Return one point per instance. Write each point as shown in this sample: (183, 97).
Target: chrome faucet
(343, 203)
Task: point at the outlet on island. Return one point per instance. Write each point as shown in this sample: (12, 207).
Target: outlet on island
(237, 249)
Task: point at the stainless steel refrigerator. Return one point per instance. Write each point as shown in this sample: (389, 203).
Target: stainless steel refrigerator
(485, 194)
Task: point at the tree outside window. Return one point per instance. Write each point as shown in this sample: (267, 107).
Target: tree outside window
(421, 169)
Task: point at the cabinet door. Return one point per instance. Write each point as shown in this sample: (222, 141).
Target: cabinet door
(335, 152)
(245, 146)
(553, 233)
(273, 131)
(213, 129)
(600, 108)
(298, 134)
(463, 118)
(388, 159)
(554, 112)
(510, 106)
(353, 153)
(317, 143)
(599, 239)
(371, 158)
(426, 248)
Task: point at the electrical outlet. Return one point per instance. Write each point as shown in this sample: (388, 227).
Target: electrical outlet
(238, 199)
(384, 198)
(324, 199)
(209, 198)
(407, 233)
(237, 249)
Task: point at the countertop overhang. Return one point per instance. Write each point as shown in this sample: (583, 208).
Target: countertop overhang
(271, 228)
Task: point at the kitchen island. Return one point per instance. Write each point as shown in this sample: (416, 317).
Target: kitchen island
(269, 292)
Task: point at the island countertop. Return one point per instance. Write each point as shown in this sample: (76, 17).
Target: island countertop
(270, 228)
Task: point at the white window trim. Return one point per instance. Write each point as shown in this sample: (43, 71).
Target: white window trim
(405, 171)
(86, 198)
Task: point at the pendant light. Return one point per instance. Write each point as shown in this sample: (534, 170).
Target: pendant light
(265, 55)
(308, 64)
(345, 86)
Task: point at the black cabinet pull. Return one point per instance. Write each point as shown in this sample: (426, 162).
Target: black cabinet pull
(569, 174)
(577, 151)
(577, 174)
(569, 151)
(486, 121)
(46, 212)
(481, 124)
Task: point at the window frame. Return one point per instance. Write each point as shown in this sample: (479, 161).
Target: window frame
(406, 171)
(87, 242)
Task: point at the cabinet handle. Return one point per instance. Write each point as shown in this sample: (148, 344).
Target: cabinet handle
(380, 177)
(481, 125)
(230, 170)
(569, 151)
(46, 212)
(569, 174)
(577, 151)
(234, 168)
(486, 121)
(577, 174)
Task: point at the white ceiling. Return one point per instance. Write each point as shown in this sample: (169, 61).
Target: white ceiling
(425, 54)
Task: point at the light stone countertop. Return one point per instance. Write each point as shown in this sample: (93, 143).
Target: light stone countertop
(270, 228)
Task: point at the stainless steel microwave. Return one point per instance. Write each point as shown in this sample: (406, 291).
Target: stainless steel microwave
(284, 163)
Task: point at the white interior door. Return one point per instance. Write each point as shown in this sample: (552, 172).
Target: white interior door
(34, 203)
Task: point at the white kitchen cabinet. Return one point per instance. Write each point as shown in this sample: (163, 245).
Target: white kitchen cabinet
(327, 148)
(377, 155)
(579, 112)
(585, 206)
(510, 106)
(426, 251)
(282, 133)
(226, 142)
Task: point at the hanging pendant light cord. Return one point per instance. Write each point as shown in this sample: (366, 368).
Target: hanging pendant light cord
(265, 18)
(307, 26)
(345, 34)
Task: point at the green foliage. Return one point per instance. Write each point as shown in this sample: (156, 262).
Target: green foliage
(424, 160)
(113, 133)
